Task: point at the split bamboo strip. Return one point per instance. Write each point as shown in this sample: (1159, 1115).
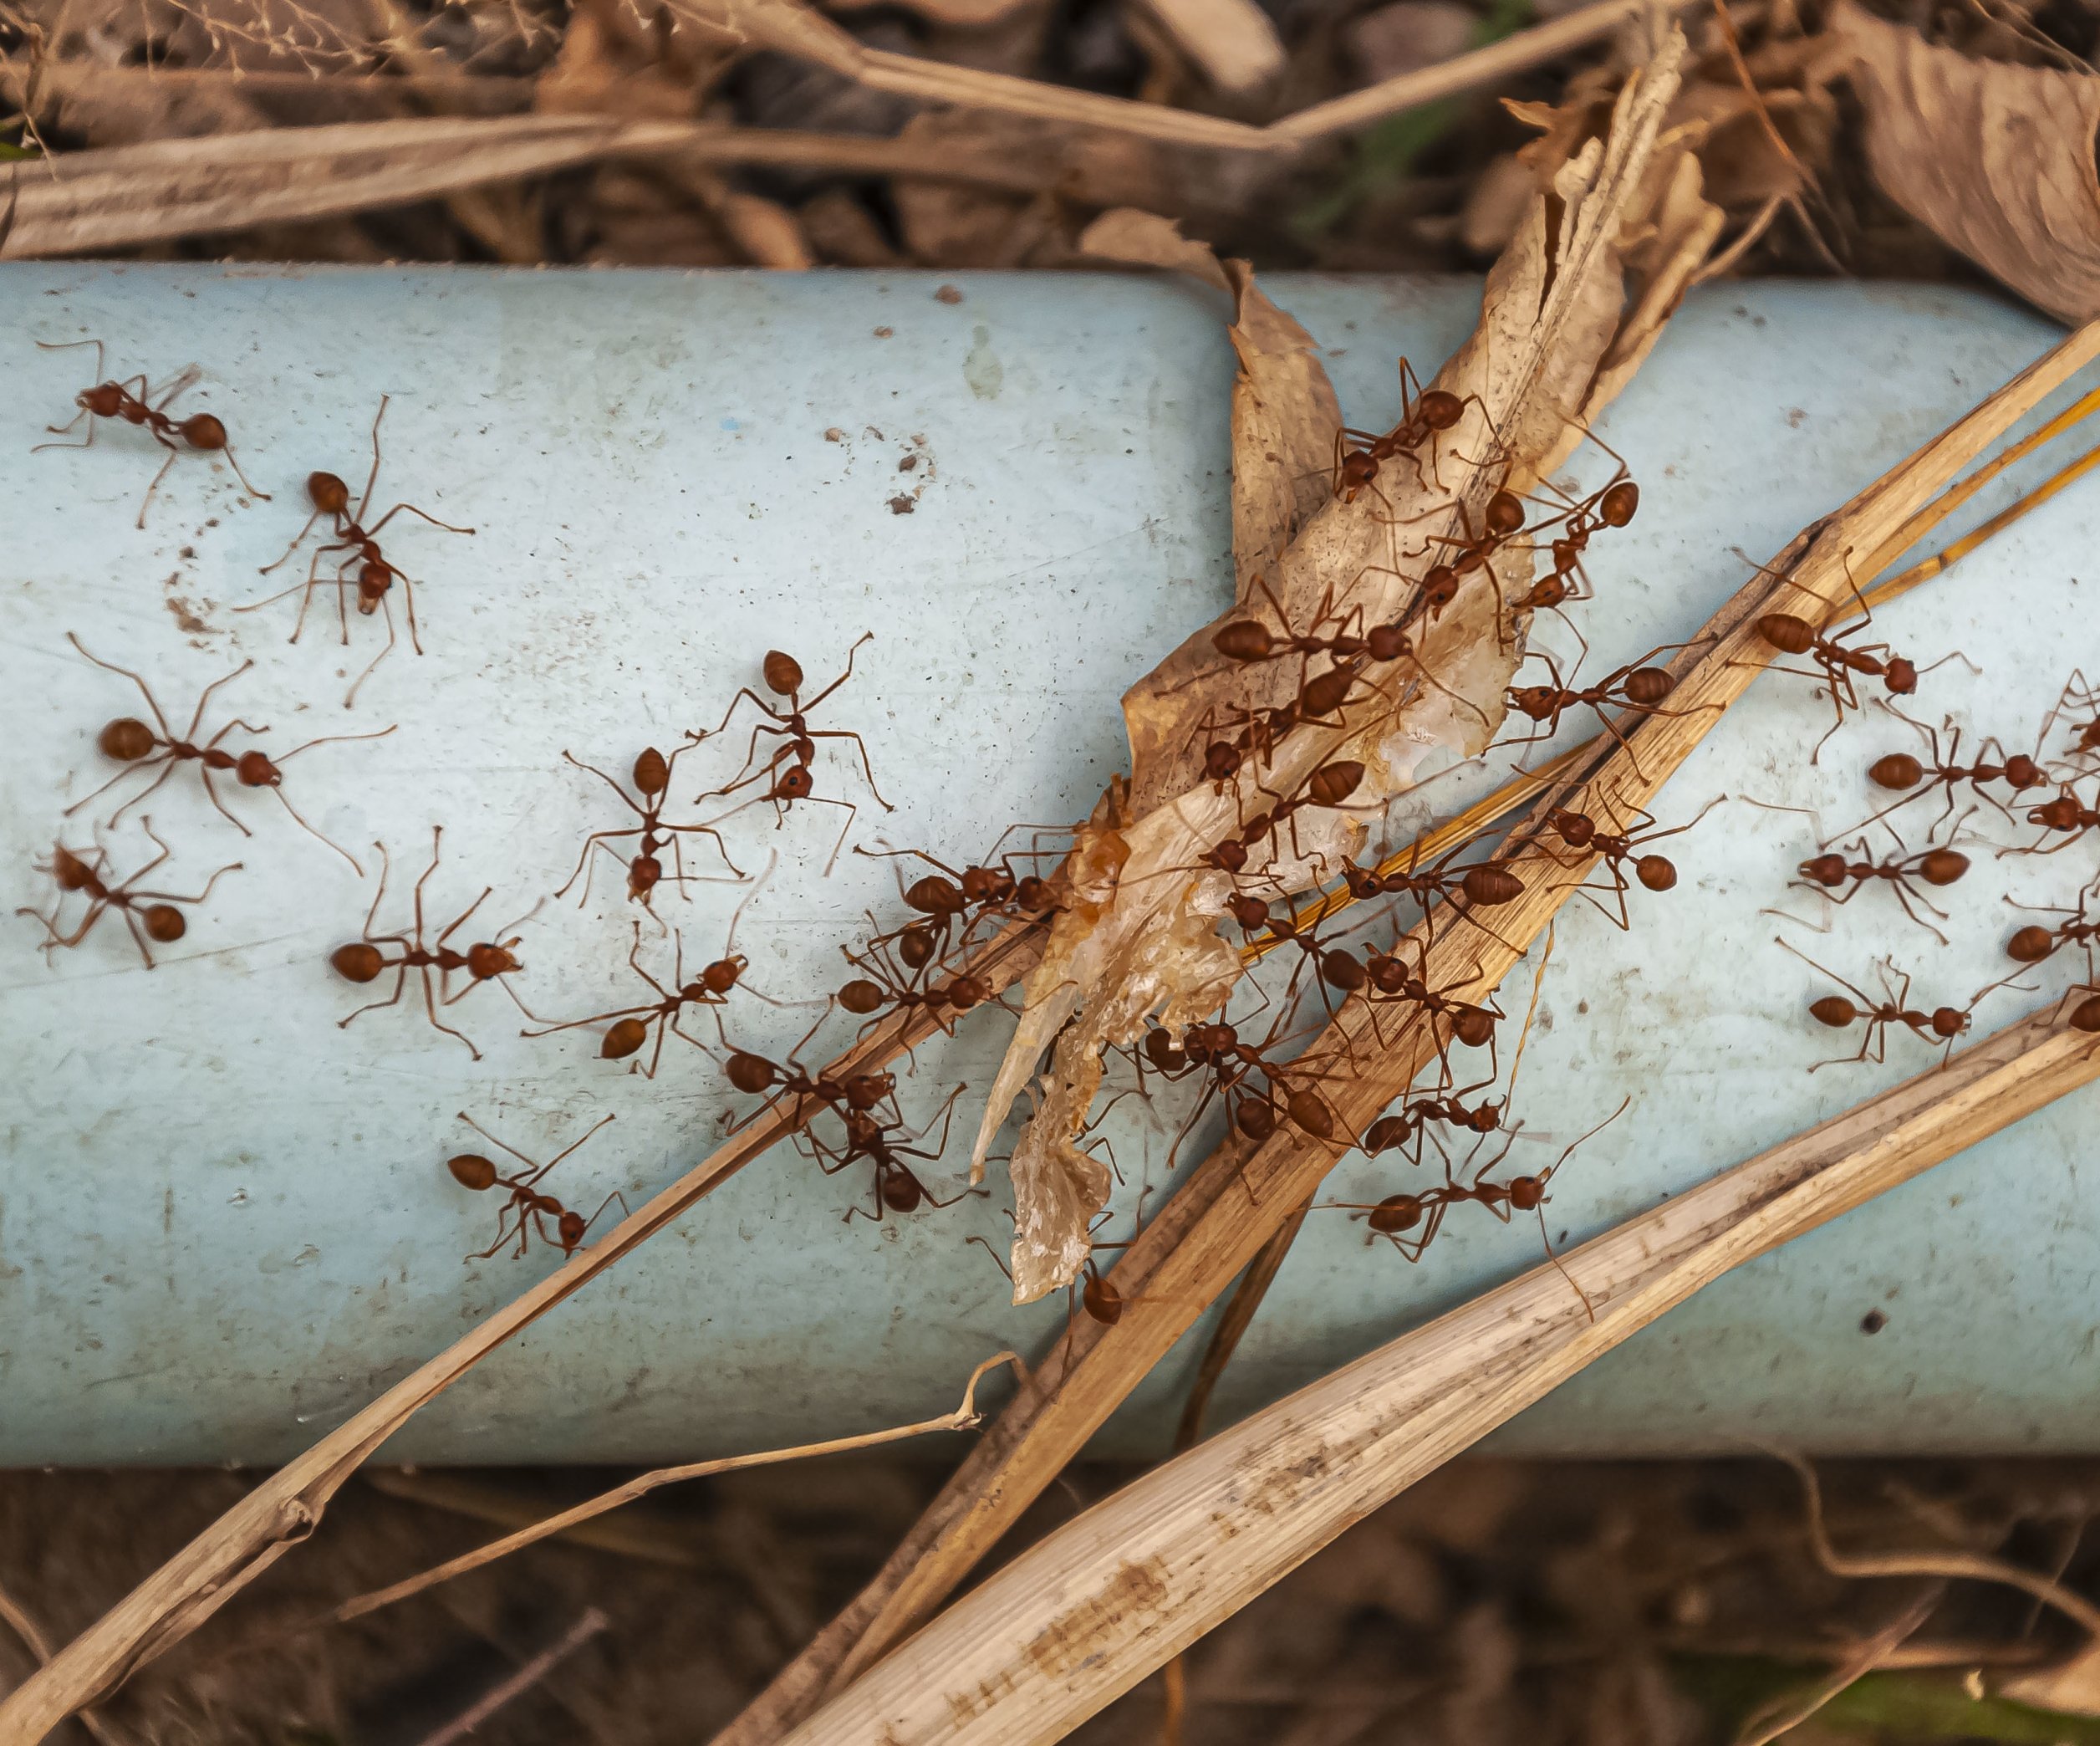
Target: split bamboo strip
(1237, 1198)
(1079, 1619)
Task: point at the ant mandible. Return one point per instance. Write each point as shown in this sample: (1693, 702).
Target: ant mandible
(652, 782)
(376, 575)
(158, 920)
(128, 741)
(201, 430)
(471, 1170)
(798, 752)
(487, 960)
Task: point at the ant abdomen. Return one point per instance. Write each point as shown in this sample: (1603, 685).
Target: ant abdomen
(163, 922)
(358, 964)
(471, 1170)
(1789, 635)
(624, 1038)
(783, 673)
(127, 740)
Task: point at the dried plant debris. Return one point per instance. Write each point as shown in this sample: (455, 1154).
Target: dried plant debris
(1996, 158)
(1157, 868)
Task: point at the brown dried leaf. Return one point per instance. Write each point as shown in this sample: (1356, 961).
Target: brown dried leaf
(1144, 940)
(1284, 418)
(1996, 160)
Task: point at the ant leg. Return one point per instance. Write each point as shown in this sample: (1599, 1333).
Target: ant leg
(349, 697)
(459, 920)
(1904, 899)
(408, 604)
(306, 528)
(867, 769)
(372, 479)
(138, 937)
(851, 809)
(161, 721)
(372, 530)
(804, 708)
(594, 839)
(146, 502)
(400, 982)
(503, 983)
(430, 1006)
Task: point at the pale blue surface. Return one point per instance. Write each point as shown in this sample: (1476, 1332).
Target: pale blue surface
(224, 1224)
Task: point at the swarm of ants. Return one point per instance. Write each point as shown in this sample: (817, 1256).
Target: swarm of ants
(1244, 1068)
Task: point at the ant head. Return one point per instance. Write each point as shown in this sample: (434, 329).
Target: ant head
(103, 400)
(164, 923)
(1439, 587)
(1229, 856)
(359, 963)
(783, 673)
(642, 874)
(568, 1230)
(860, 996)
(1504, 514)
(1221, 761)
(2031, 945)
(1535, 701)
(795, 782)
(375, 576)
(1395, 1213)
(72, 873)
(253, 769)
(1249, 911)
(2022, 772)
(1526, 1193)
(1438, 409)
(865, 1090)
(987, 885)
(1485, 1118)
(1788, 634)
(1943, 866)
(652, 772)
(329, 495)
(127, 739)
(964, 992)
(1243, 640)
(1825, 869)
(933, 895)
(2060, 813)
(1901, 676)
(1163, 1052)
(1359, 466)
(1386, 642)
(1616, 507)
(626, 1036)
(471, 1170)
(1649, 686)
(1898, 770)
(201, 431)
(1657, 872)
(1388, 975)
(1574, 828)
(720, 976)
(1833, 1010)
(749, 1073)
(1031, 896)
(487, 959)
(1363, 882)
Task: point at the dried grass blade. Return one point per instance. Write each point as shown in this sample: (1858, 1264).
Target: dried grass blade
(1085, 1614)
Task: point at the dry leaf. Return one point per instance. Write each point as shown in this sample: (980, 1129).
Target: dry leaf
(1145, 942)
(1994, 158)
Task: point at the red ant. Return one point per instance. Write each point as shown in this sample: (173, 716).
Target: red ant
(201, 430)
(1636, 687)
(375, 576)
(1410, 1122)
(1502, 520)
(652, 782)
(1899, 771)
(1942, 1024)
(629, 1028)
(471, 1170)
(866, 996)
(1581, 833)
(2032, 944)
(129, 741)
(1839, 665)
(2079, 695)
(1393, 981)
(788, 772)
(1330, 786)
(1424, 415)
(1483, 885)
(1319, 700)
(756, 1076)
(1217, 1049)
(487, 961)
(897, 1187)
(990, 889)
(158, 920)
(1938, 867)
